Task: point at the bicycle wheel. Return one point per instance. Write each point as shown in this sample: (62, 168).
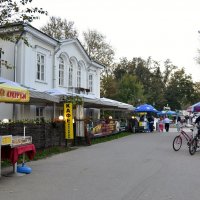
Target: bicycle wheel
(193, 146)
(177, 143)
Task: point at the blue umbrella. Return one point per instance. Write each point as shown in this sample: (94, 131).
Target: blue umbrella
(145, 108)
(167, 112)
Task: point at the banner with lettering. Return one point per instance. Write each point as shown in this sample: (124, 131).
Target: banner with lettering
(13, 94)
(68, 118)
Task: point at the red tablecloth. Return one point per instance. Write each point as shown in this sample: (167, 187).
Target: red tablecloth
(12, 154)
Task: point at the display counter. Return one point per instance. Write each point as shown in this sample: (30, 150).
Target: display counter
(11, 147)
(12, 154)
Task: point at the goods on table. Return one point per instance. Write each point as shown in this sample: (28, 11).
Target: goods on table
(21, 140)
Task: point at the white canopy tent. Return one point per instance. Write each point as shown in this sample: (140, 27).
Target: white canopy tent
(90, 101)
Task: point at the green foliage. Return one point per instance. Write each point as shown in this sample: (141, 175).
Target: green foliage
(59, 28)
(142, 81)
(17, 11)
(75, 100)
(180, 90)
(110, 137)
(130, 90)
(108, 87)
(98, 49)
(12, 14)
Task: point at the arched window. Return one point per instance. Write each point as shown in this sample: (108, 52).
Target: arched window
(70, 74)
(61, 72)
(79, 76)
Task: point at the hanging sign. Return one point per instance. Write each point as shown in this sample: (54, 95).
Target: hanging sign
(68, 118)
(12, 94)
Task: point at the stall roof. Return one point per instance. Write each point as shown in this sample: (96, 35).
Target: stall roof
(35, 95)
(90, 101)
(42, 97)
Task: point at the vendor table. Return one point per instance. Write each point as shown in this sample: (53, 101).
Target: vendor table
(12, 154)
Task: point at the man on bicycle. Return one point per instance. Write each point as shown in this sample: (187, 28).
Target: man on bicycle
(197, 121)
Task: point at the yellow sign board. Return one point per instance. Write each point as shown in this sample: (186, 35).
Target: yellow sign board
(6, 140)
(68, 118)
(13, 94)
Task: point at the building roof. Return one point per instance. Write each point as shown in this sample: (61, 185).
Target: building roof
(21, 26)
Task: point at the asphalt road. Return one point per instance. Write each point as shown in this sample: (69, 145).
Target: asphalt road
(137, 167)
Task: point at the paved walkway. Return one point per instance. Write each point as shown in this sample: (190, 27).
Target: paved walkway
(137, 167)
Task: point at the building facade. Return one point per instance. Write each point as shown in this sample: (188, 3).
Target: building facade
(45, 64)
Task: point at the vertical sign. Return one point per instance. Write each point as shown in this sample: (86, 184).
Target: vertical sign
(69, 134)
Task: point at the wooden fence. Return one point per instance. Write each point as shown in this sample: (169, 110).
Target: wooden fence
(44, 135)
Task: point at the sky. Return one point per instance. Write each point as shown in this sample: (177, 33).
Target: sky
(162, 29)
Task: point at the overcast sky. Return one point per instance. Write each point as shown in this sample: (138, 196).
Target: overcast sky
(161, 29)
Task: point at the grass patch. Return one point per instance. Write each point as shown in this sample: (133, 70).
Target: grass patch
(44, 153)
(110, 137)
(41, 154)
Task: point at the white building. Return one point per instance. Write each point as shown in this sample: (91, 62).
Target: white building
(46, 64)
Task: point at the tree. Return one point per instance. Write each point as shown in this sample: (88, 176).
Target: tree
(109, 87)
(60, 29)
(198, 51)
(180, 90)
(156, 95)
(98, 49)
(125, 67)
(169, 68)
(14, 12)
(130, 90)
(148, 74)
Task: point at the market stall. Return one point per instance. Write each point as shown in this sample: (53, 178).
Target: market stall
(145, 111)
(11, 147)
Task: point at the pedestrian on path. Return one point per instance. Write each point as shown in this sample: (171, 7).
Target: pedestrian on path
(166, 122)
(160, 124)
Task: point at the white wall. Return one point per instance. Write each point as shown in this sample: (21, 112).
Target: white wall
(28, 63)
(73, 51)
(6, 111)
(26, 67)
(8, 48)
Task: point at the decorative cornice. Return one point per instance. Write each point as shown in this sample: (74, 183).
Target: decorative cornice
(41, 35)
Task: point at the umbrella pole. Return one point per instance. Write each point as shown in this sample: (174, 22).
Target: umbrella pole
(23, 160)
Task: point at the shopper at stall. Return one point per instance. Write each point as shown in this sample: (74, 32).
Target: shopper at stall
(151, 123)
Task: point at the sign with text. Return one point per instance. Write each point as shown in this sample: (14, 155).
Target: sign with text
(13, 94)
(6, 140)
(68, 118)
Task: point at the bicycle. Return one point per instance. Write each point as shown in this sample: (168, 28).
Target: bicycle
(195, 143)
(177, 142)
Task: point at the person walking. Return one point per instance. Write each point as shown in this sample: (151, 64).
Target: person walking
(178, 124)
(151, 122)
(160, 124)
(166, 122)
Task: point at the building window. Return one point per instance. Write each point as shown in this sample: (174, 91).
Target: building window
(70, 75)
(90, 83)
(39, 113)
(60, 112)
(40, 67)
(79, 77)
(61, 72)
